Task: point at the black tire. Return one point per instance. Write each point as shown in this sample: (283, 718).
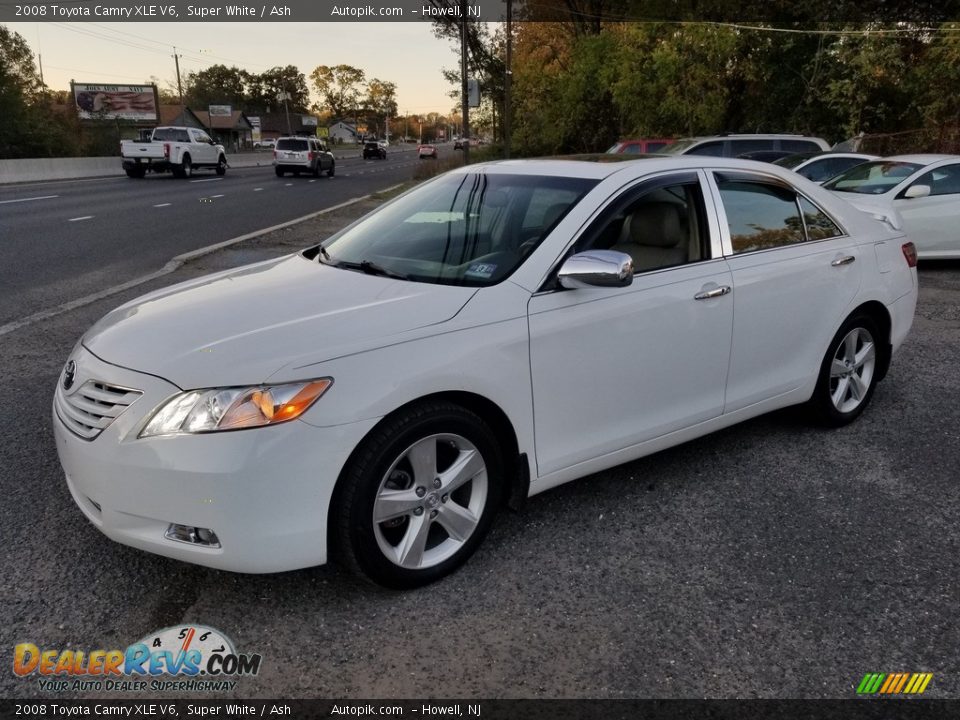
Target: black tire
(278, 171)
(296, 173)
(221, 165)
(184, 169)
(316, 170)
(381, 465)
(137, 173)
(848, 373)
(332, 170)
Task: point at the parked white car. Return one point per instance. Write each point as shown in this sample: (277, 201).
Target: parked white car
(820, 167)
(923, 190)
(490, 334)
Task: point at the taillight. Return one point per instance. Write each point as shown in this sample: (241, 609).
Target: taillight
(910, 253)
(309, 156)
(166, 150)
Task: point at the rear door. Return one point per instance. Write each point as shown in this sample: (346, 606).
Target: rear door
(795, 273)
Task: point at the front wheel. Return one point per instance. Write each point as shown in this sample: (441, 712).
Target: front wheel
(848, 374)
(419, 495)
(222, 166)
(332, 170)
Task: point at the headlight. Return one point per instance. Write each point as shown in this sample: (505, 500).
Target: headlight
(201, 411)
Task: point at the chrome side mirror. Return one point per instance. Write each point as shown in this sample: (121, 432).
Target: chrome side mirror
(596, 268)
(917, 191)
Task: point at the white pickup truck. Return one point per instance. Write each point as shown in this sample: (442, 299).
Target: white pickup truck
(178, 149)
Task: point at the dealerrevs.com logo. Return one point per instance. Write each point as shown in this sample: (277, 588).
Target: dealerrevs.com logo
(894, 683)
(181, 658)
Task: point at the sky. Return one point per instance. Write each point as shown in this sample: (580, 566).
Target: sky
(405, 53)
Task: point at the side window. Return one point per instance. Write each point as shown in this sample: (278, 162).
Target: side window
(739, 147)
(659, 226)
(760, 215)
(942, 181)
(653, 147)
(202, 138)
(799, 146)
(818, 225)
(714, 149)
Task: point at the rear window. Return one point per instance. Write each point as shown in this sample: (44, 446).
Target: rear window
(294, 145)
(799, 146)
(171, 134)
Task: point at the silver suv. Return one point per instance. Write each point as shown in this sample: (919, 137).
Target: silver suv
(302, 154)
(736, 145)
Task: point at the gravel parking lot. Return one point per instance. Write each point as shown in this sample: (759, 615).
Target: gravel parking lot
(770, 560)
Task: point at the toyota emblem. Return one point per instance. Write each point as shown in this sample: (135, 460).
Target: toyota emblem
(69, 373)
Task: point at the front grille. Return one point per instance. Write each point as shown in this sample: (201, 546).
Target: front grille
(90, 409)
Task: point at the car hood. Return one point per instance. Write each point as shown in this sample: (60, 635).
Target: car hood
(241, 326)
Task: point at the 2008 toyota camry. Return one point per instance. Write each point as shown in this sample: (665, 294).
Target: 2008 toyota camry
(486, 336)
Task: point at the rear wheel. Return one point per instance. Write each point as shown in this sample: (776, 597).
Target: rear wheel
(278, 171)
(136, 172)
(184, 169)
(332, 170)
(419, 496)
(848, 372)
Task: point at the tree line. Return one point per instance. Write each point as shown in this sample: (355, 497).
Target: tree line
(588, 72)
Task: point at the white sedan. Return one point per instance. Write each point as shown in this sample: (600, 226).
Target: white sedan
(493, 333)
(820, 167)
(922, 190)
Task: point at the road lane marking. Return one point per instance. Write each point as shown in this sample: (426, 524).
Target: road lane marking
(207, 180)
(257, 189)
(39, 197)
(289, 185)
(163, 205)
(213, 196)
(82, 217)
(170, 267)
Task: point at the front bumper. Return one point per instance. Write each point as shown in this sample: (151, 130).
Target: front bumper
(265, 492)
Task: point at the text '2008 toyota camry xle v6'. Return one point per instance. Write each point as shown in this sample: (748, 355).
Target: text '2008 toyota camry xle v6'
(488, 335)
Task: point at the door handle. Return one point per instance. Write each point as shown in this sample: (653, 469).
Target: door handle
(714, 293)
(843, 261)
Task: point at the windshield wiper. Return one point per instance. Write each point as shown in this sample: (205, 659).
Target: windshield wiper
(370, 268)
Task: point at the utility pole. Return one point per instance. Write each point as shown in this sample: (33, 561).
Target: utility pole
(176, 61)
(463, 82)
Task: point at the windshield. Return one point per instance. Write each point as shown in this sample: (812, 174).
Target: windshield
(296, 145)
(791, 161)
(461, 229)
(873, 178)
(679, 146)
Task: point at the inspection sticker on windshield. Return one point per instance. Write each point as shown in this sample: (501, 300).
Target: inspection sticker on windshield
(480, 270)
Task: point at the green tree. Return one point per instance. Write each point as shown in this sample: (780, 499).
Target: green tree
(21, 99)
(340, 88)
(264, 89)
(216, 85)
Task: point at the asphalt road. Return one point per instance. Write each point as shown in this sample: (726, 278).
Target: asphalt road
(769, 560)
(67, 239)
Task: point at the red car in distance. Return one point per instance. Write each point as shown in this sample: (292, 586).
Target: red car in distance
(641, 146)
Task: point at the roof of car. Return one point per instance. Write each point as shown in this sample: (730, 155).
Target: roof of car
(922, 159)
(603, 165)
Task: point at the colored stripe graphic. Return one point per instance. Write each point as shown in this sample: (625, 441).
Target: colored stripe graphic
(894, 683)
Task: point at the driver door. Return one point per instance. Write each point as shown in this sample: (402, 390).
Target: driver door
(615, 367)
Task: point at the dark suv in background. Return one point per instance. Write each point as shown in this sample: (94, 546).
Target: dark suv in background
(373, 149)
